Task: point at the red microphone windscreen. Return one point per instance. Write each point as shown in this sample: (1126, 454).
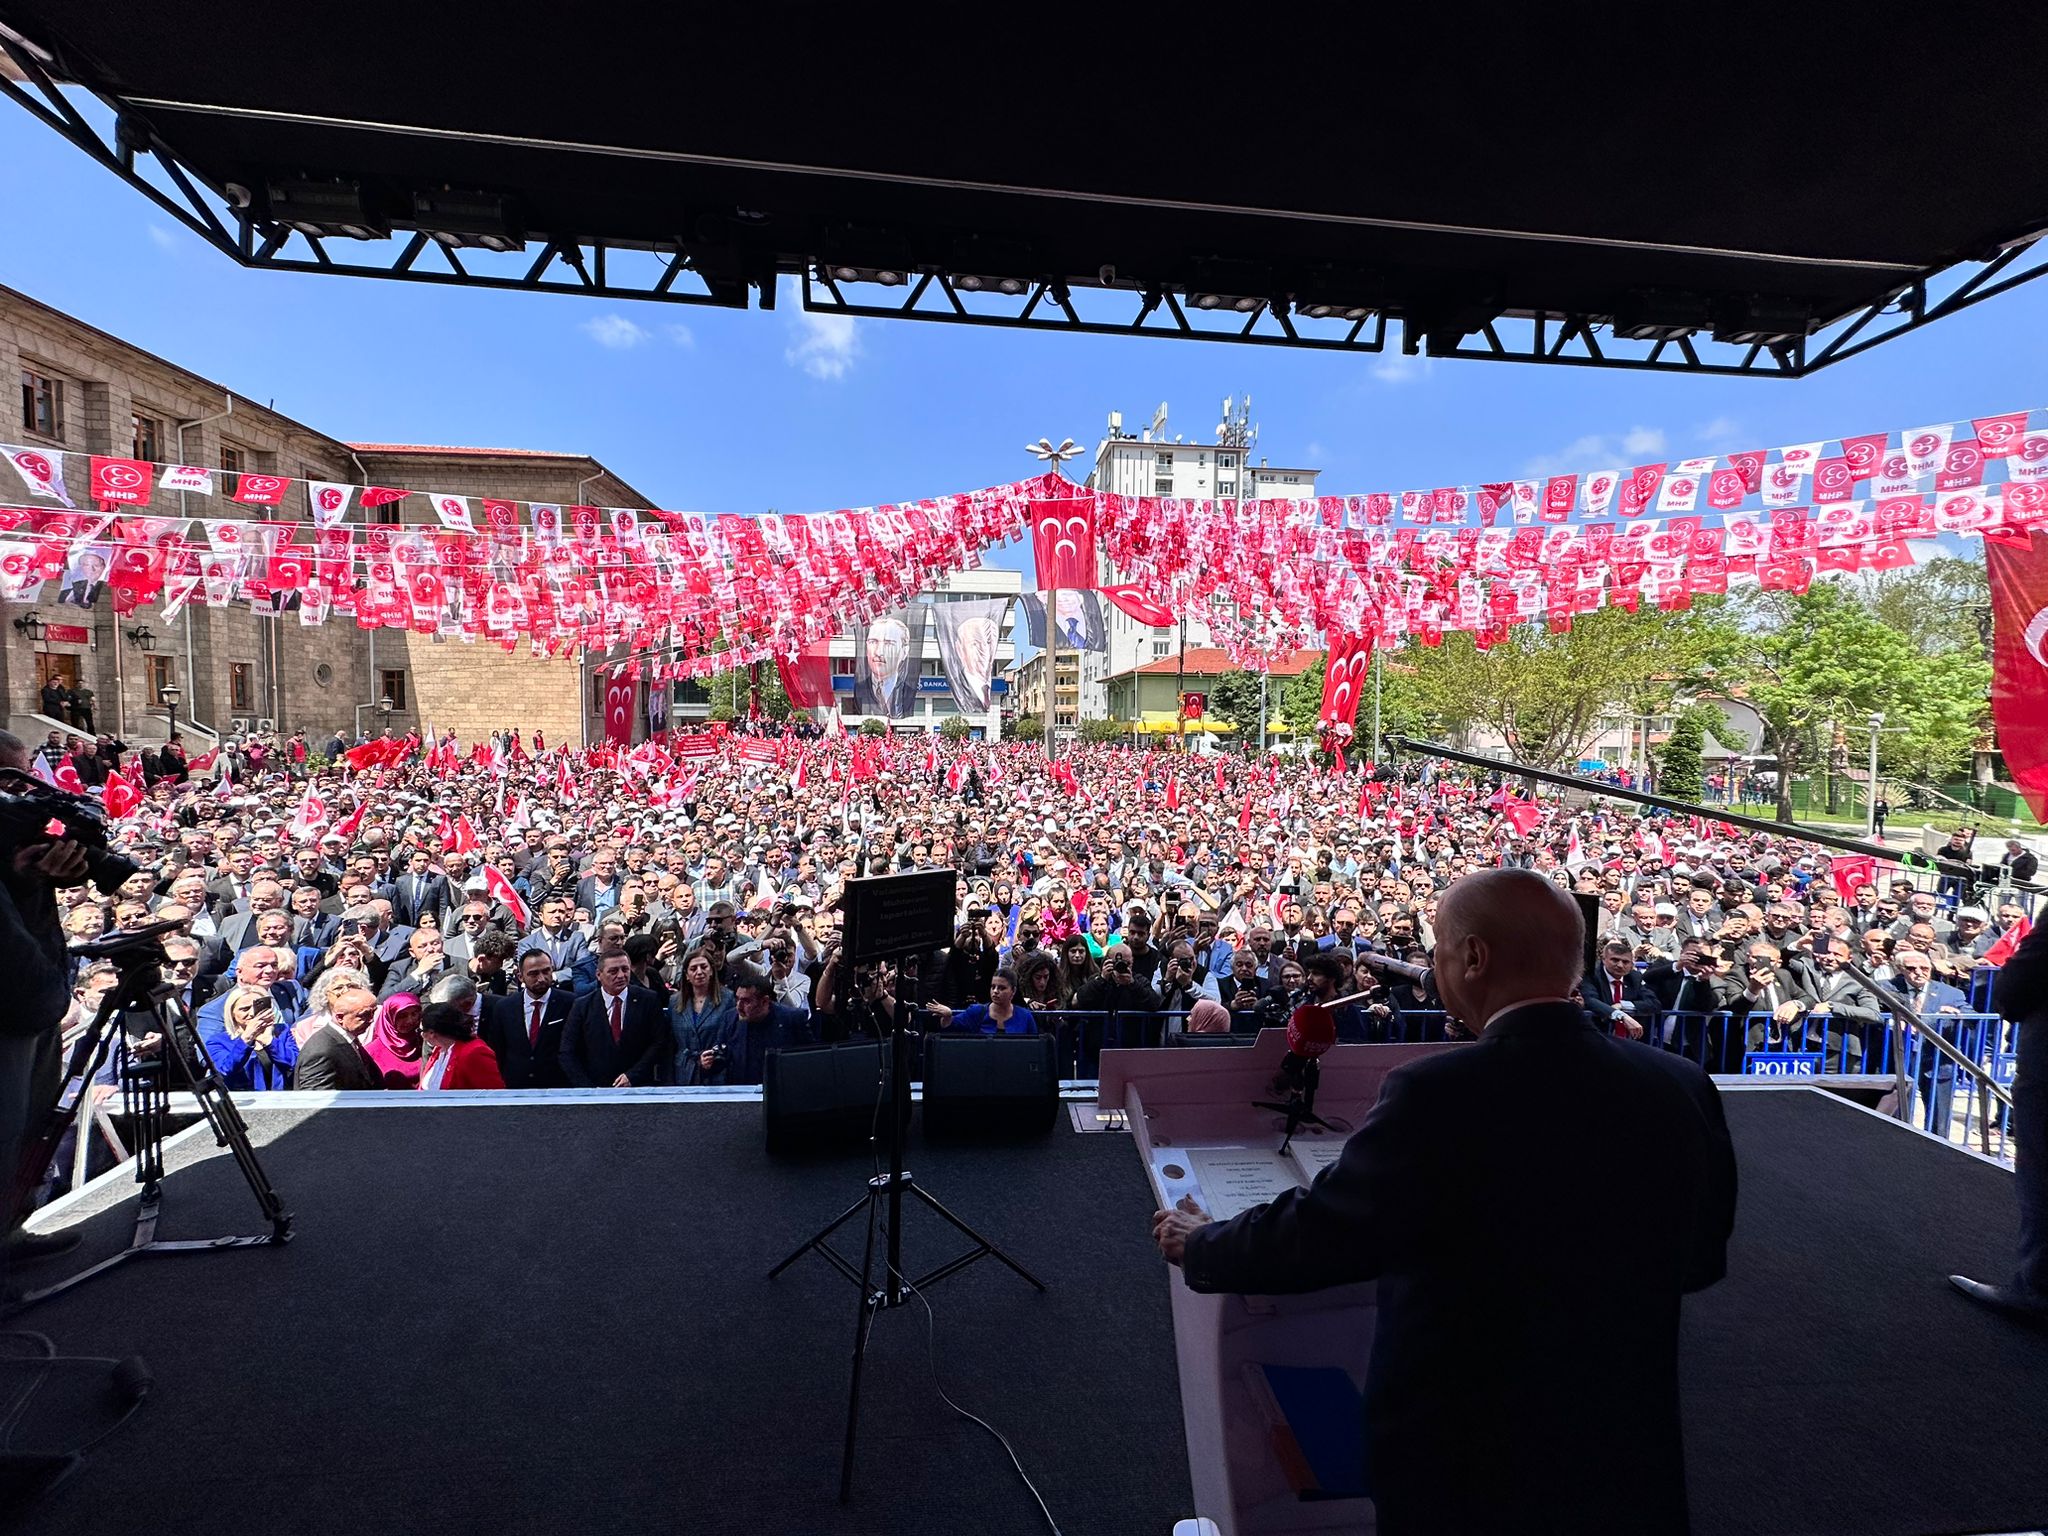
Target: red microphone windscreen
(1311, 1030)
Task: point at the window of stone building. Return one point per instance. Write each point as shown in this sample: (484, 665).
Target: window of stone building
(147, 438)
(158, 674)
(232, 459)
(391, 685)
(241, 686)
(42, 404)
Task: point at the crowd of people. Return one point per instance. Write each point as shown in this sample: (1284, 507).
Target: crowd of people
(440, 914)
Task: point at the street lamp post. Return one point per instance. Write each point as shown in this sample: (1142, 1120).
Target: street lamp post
(31, 624)
(1870, 792)
(168, 696)
(383, 706)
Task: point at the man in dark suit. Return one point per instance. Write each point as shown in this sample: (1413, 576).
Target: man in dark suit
(1843, 1012)
(525, 1029)
(616, 1036)
(2021, 995)
(1529, 1278)
(333, 1055)
(1616, 995)
(1938, 1003)
(419, 891)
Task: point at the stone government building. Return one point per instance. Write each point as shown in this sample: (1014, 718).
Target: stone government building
(83, 391)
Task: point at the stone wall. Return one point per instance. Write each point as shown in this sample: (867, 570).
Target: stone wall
(313, 677)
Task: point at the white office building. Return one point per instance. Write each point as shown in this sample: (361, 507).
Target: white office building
(1156, 462)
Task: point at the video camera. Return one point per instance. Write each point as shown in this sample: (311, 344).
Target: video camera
(34, 812)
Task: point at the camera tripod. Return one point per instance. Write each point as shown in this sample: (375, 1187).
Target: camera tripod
(140, 1003)
(883, 1202)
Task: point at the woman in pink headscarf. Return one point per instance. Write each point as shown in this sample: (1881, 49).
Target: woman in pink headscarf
(394, 1041)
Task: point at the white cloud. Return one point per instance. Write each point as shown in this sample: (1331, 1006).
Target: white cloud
(1598, 450)
(1399, 368)
(681, 335)
(614, 331)
(1721, 432)
(825, 345)
(162, 238)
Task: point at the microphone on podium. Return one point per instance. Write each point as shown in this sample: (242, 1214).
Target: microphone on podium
(1311, 1030)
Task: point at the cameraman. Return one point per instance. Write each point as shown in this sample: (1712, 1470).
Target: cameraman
(33, 958)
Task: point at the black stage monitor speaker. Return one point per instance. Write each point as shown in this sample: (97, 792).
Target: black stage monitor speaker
(979, 1087)
(884, 916)
(825, 1096)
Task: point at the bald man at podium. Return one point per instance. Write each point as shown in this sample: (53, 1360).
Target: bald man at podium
(1533, 1207)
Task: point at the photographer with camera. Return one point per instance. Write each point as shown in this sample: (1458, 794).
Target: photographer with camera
(33, 958)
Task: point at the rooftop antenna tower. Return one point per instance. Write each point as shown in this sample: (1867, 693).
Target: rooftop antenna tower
(1236, 429)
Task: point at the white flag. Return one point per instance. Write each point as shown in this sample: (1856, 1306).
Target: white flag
(329, 501)
(41, 470)
(454, 512)
(1925, 448)
(186, 477)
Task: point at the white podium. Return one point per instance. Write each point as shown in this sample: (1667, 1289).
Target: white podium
(1194, 1100)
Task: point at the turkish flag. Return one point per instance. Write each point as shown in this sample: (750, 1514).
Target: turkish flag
(618, 710)
(1063, 542)
(1344, 670)
(1132, 600)
(1848, 873)
(2008, 941)
(2019, 661)
(121, 796)
(310, 817)
(501, 888)
(1521, 814)
(807, 677)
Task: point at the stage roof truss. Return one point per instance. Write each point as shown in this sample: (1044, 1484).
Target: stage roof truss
(993, 280)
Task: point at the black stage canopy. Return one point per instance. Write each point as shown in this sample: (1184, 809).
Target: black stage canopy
(1644, 188)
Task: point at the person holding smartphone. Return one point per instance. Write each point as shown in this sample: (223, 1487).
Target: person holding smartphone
(251, 1050)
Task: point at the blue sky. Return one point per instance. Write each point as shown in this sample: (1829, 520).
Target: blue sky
(718, 411)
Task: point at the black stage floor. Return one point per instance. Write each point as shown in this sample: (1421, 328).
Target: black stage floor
(553, 1318)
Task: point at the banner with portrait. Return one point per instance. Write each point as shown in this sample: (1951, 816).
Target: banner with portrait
(968, 634)
(888, 655)
(1079, 622)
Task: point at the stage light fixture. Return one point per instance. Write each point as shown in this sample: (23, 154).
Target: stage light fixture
(1334, 311)
(479, 220)
(888, 277)
(1244, 304)
(975, 282)
(325, 208)
(1760, 320)
(1660, 315)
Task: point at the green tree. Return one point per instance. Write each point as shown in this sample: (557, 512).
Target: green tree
(1941, 718)
(1027, 728)
(1681, 772)
(874, 727)
(1938, 606)
(729, 692)
(1805, 660)
(1104, 732)
(955, 728)
(1547, 694)
(1234, 699)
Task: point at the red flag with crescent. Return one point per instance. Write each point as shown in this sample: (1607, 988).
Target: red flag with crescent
(1063, 542)
(1344, 673)
(618, 710)
(2019, 661)
(1132, 600)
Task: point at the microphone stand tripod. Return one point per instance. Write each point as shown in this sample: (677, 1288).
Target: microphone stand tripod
(140, 996)
(883, 1205)
(1299, 1106)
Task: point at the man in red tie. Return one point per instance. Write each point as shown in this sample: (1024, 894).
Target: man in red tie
(1616, 995)
(525, 1028)
(614, 1037)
